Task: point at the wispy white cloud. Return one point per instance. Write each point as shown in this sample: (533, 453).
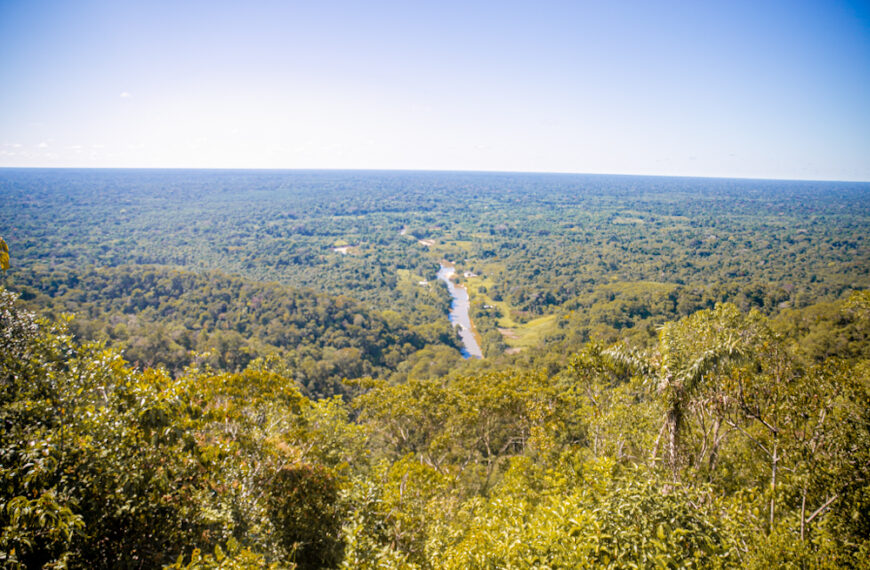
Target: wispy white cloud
(43, 144)
(126, 94)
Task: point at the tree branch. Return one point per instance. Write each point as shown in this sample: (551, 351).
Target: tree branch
(752, 439)
(822, 508)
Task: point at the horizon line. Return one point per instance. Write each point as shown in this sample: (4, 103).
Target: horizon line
(429, 170)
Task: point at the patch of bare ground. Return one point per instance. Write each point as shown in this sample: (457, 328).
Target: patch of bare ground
(508, 333)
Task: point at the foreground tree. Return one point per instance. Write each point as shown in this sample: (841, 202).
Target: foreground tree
(104, 466)
(683, 368)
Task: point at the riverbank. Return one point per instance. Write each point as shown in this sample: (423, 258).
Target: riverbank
(459, 315)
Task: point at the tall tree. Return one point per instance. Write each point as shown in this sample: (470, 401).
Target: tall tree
(688, 354)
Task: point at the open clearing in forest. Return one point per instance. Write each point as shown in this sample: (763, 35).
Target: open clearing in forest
(516, 334)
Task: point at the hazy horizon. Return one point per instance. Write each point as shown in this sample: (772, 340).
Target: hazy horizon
(421, 171)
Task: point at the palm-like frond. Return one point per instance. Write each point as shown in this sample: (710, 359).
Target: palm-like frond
(636, 361)
(692, 378)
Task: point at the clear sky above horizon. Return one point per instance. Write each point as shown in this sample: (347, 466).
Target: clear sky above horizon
(758, 89)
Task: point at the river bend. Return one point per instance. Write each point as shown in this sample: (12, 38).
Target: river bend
(459, 313)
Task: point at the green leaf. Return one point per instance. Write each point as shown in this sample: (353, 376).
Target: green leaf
(4, 255)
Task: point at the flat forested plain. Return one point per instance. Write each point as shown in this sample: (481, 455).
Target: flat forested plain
(254, 368)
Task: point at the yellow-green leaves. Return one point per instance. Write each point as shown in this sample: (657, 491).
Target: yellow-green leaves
(4, 255)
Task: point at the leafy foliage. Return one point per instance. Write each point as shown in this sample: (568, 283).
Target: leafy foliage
(106, 465)
(602, 254)
(718, 418)
(4, 255)
(159, 316)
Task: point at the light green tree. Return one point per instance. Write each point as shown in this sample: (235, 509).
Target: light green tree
(689, 354)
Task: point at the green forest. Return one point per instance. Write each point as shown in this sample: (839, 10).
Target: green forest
(255, 369)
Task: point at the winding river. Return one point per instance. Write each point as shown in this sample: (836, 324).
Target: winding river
(459, 313)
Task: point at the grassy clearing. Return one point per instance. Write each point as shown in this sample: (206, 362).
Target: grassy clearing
(533, 332)
(626, 220)
(450, 248)
(405, 276)
(462, 245)
(516, 335)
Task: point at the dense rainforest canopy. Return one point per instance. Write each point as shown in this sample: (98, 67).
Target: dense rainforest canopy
(255, 369)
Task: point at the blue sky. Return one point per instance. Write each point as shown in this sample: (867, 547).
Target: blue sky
(744, 89)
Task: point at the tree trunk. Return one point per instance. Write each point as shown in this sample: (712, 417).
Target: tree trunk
(673, 423)
(803, 511)
(774, 464)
